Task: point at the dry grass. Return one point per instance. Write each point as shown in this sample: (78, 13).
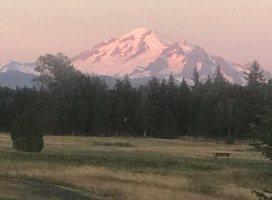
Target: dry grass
(226, 183)
(235, 192)
(103, 181)
(187, 148)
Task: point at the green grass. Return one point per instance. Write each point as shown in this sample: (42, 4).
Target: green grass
(140, 161)
(115, 144)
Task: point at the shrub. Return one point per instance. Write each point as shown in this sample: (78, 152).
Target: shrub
(26, 134)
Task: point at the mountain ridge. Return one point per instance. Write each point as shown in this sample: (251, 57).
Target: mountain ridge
(144, 53)
(141, 54)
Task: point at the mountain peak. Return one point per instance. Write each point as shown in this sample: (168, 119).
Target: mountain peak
(139, 46)
(19, 67)
(143, 53)
(138, 31)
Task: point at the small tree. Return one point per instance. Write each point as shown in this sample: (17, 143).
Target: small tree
(26, 133)
(219, 77)
(196, 77)
(254, 74)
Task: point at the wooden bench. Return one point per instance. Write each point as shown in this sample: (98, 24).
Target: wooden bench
(223, 154)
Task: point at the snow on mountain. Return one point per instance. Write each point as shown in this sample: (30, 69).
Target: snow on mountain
(123, 55)
(15, 74)
(142, 53)
(13, 66)
(139, 53)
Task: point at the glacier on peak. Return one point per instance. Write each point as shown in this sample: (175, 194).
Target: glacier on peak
(143, 52)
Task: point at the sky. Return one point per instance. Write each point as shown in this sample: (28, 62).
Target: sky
(237, 30)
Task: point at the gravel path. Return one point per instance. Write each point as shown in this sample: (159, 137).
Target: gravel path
(30, 190)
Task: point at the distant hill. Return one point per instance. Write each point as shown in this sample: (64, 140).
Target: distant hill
(13, 78)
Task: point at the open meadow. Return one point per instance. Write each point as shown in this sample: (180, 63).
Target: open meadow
(132, 169)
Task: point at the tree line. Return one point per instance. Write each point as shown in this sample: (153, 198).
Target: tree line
(65, 101)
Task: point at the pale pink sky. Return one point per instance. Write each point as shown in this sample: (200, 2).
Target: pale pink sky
(238, 30)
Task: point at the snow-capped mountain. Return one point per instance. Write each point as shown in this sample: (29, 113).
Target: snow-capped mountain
(143, 53)
(12, 66)
(15, 74)
(123, 55)
(140, 53)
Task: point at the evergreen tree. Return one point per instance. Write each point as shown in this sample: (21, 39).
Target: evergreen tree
(26, 132)
(254, 96)
(141, 123)
(151, 107)
(197, 96)
(264, 129)
(219, 77)
(159, 120)
(254, 74)
(69, 102)
(209, 80)
(124, 105)
(183, 108)
(100, 108)
(7, 111)
(168, 124)
(196, 77)
(171, 93)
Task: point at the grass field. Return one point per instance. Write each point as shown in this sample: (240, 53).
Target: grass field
(134, 169)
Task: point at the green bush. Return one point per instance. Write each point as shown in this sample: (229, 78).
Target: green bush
(26, 134)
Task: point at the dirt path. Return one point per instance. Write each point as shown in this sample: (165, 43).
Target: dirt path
(29, 190)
